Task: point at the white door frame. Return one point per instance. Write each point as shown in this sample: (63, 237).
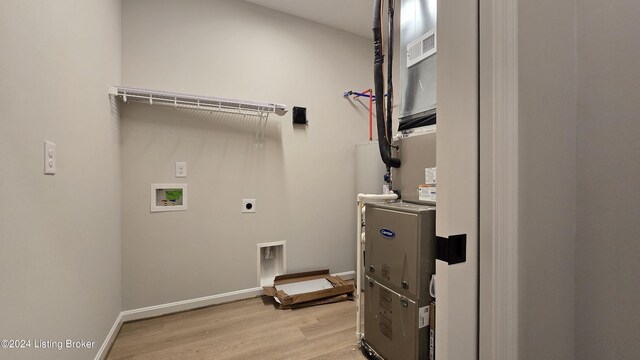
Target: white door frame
(498, 180)
(457, 154)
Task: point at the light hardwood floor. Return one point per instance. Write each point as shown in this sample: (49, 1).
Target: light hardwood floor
(247, 329)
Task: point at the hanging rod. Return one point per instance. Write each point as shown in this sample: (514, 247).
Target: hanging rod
(206, 103)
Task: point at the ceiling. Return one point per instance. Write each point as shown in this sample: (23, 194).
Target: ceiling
(354, 16)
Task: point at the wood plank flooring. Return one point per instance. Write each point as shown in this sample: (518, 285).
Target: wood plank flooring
(247, 329)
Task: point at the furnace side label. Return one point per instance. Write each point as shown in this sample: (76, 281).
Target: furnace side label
(423, 317)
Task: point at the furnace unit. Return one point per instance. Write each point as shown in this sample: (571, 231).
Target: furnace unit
(400, 254)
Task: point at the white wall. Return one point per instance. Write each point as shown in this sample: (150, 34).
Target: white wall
(302, 177)
(547, 175)
(608, 212)
(60, 235)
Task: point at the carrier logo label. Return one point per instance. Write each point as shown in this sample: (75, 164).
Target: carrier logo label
(387, 233)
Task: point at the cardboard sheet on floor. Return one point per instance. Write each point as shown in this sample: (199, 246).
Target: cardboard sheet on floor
(305, 286)
(308, 288)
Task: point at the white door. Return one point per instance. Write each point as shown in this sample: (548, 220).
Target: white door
(457, 161)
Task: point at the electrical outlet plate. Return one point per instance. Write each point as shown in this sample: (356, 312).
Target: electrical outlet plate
(181, 169)
(248, 205)
(49, 158)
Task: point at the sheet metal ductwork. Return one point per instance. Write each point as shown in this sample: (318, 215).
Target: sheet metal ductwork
(418, 44)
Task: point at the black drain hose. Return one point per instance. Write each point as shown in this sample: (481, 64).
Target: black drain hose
(390, 72)
(378, 80)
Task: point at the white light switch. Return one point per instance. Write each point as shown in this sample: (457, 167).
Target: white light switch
(181, 169)
(49, 158)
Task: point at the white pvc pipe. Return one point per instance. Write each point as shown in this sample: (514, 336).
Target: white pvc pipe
(367, 197)
(362, 199)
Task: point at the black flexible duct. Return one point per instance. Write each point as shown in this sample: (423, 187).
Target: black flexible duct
(378, 80)
(390, 71)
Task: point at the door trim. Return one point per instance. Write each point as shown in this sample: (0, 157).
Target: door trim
(498, 180)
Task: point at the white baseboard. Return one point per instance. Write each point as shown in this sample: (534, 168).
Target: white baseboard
(163, 309)
(111, 337)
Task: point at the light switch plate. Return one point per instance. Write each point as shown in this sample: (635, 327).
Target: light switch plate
(49, 158)
(248, 205)
(181, 169)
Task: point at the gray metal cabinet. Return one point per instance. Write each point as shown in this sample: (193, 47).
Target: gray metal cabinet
(399, 261)
(391, 324)
(400, 246)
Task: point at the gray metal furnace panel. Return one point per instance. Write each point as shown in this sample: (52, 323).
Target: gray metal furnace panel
(418, 81)
(392, 324)
(417, 153)
(400, 247)
(393, 261)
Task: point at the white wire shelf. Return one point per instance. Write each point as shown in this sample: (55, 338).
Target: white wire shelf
(204, 103)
